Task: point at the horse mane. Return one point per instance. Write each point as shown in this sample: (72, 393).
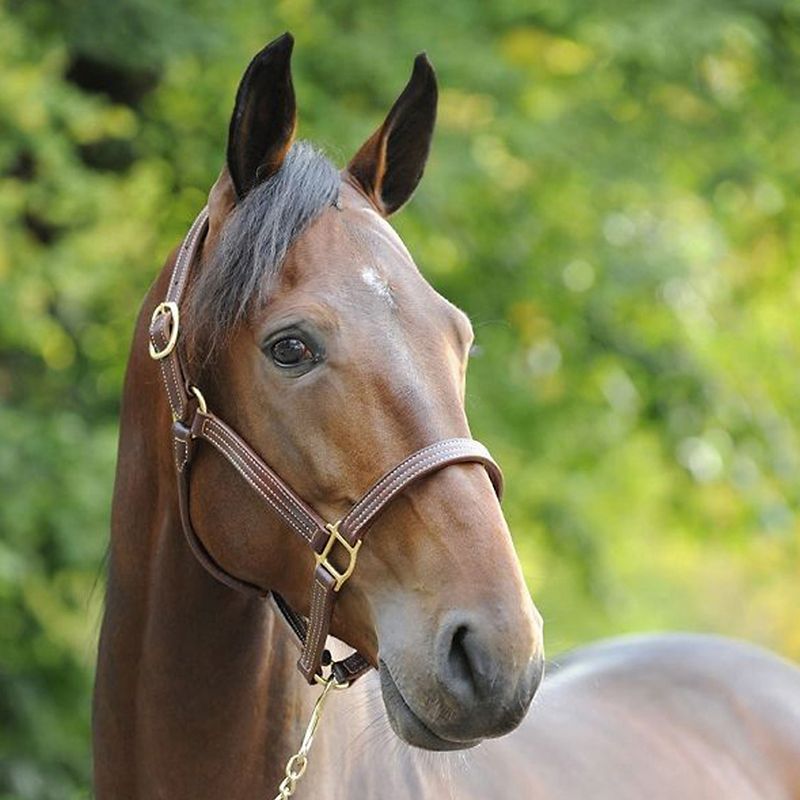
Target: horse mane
(239, 274)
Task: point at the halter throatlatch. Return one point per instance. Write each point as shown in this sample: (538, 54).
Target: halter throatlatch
(193, 423)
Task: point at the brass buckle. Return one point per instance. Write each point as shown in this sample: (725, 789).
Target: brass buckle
(163, 308)
(201, 401)
(352, 552)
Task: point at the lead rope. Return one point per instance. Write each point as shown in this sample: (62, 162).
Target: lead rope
(296, 766)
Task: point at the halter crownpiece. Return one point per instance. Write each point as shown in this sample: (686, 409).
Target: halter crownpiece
(193, 422)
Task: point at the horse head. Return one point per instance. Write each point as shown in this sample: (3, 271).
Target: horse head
(313, 333)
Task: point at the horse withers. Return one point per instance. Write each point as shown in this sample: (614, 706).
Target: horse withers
(295, 383)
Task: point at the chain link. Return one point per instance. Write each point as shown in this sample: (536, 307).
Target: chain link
(296, 766)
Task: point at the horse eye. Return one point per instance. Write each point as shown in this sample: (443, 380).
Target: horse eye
(290, 352)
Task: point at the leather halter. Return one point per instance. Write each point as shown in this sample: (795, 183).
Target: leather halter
(193, 422)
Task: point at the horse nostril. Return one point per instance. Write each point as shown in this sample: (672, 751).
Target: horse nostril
(457, 658)
(486, 675)
(466, 668)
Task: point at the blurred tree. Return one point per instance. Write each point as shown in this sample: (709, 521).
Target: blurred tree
(613, 197)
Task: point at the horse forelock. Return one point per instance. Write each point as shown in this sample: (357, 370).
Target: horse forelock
(239, 273)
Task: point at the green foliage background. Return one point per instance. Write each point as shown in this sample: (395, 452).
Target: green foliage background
(613, 198)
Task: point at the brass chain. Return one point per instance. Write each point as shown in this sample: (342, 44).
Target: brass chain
(296, 766)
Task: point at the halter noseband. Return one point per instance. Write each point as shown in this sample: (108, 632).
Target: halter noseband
(193, 422)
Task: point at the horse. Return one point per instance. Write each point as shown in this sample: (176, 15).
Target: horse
(302, 370)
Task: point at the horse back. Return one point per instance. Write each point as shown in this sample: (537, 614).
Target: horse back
(695, 717)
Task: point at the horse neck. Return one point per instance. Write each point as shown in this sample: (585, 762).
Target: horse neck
(193, 679)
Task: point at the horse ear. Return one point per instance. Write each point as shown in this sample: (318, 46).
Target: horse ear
(264, 117)
(390, 163)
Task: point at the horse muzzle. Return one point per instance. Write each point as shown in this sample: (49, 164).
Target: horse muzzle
(476, 689)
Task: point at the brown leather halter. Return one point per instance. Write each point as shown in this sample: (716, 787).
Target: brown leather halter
(193, 422)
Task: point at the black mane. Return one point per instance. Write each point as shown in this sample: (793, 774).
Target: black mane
(254, 241)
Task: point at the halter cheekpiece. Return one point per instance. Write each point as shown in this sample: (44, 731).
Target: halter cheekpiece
(193, 422)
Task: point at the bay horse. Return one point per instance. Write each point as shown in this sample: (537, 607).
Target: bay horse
(290, 367)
